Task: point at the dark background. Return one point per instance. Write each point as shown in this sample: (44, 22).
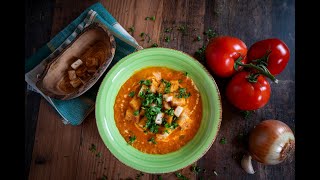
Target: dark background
(248, 20)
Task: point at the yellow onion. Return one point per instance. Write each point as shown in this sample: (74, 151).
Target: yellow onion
(271, 142)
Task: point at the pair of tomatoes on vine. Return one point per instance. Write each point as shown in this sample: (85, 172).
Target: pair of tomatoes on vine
(248, 89)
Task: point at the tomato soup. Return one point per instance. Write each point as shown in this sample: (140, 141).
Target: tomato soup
(158, 110)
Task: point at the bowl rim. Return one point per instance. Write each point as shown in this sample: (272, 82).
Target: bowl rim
(219, 102)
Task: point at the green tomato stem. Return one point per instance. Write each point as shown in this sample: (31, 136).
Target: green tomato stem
(263, 71)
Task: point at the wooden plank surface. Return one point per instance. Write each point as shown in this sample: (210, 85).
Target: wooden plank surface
(62, 151)
(38, 23)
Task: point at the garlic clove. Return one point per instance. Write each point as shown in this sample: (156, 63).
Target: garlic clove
(246, 164)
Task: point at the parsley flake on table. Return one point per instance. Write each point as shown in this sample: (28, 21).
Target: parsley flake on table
(152, 18)
(167, 39)
(210, 33)
(246, 114)
(131, 29)
(93, 148)
(104, 177)
(196, 169)
(182, 29)
(142, 34)
(180, 176)
(198, 38)
(223, 140)
(139, 175)
(154, 45)
(99, 154)
(168, 30)
(200, 53)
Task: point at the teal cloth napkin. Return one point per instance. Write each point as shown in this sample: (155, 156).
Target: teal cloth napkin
(74, 111)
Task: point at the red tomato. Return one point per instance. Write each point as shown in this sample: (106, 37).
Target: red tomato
(246, 95)
(278, 58)
(221, 53)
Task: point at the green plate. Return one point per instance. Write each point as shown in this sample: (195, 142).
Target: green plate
(188, 154)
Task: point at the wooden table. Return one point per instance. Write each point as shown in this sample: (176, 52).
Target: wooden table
(57, 151)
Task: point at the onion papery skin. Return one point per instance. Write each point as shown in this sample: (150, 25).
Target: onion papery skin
(271, 142)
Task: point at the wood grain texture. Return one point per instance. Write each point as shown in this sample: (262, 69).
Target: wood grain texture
(38, 23)
(62, 151)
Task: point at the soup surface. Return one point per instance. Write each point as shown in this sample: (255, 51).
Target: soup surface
(158, 110)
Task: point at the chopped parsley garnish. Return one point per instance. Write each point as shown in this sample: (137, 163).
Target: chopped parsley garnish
(136, 113)
(152, 102)
(169, 111)
(93, 148)
(186, 73)
(145, 82)
(223, 140)
(172, 126)
(167, 39)
(141, 94)
(166, 131)
(175, 118)
(132, 139)
(167, 85)
(149, 98)
(180, 176)
(183, 93)
(166, 125)
(154, 128)
(152, 105)
(180, 80)
(131, 94)
(152, 140)
(167, 30)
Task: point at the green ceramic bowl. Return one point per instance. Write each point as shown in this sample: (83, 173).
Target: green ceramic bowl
(188, 154)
